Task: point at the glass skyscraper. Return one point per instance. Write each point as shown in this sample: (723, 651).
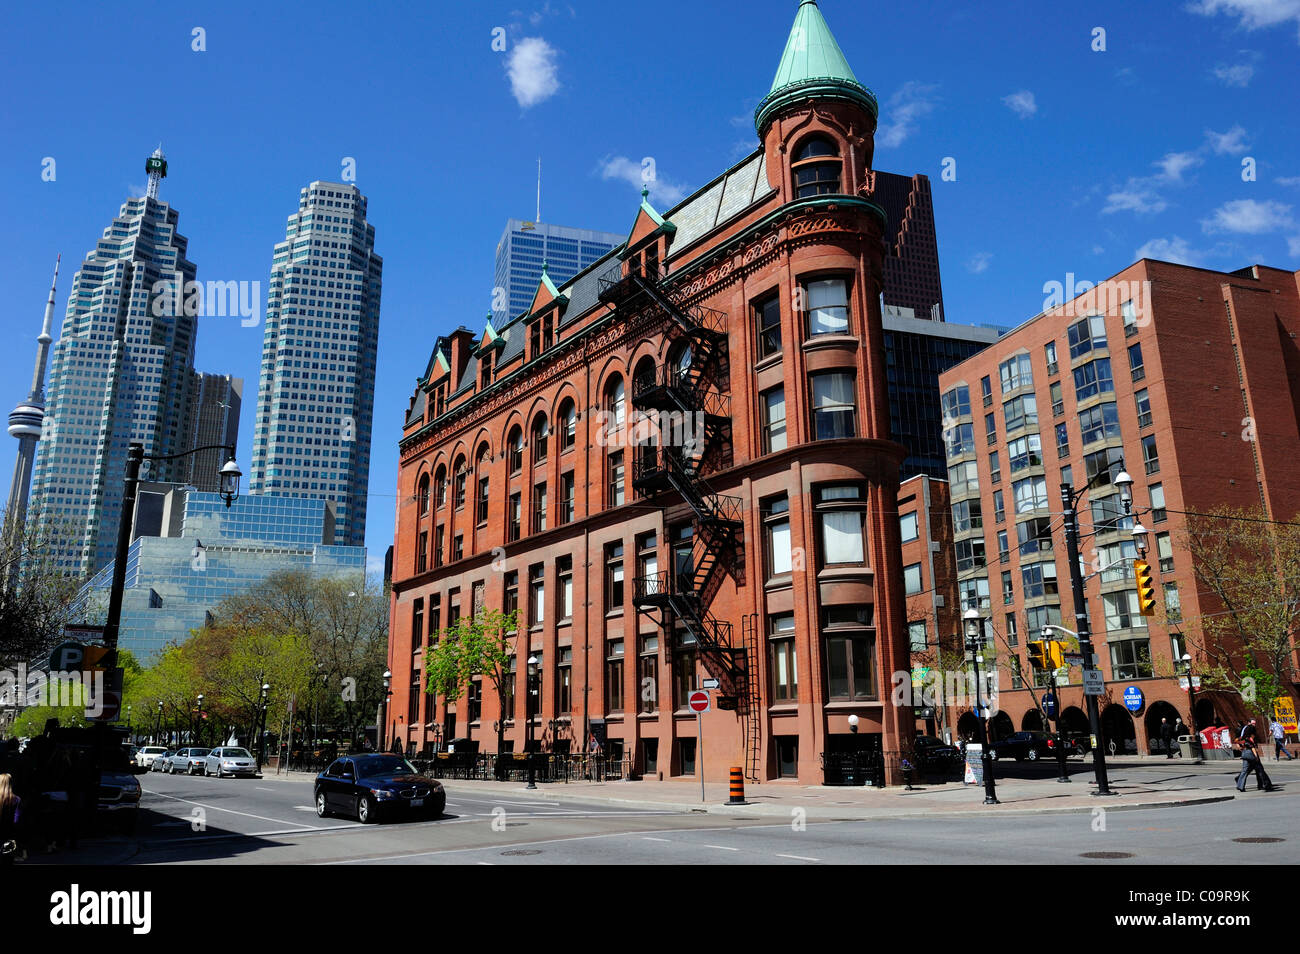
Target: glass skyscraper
(916, 351)
(120, 373)
(204, 552)
(315, 396)
(524, 246)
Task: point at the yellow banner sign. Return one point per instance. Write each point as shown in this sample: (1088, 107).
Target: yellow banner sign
(1284, 712)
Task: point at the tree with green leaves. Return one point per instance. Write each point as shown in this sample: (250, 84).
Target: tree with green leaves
(37, 598)
(1247, 569)
(481, 645)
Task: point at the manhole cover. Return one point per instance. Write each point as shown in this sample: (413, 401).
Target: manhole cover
(1106, 855)
(521, 851)
(1258, 840)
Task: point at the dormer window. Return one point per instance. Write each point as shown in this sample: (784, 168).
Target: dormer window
(817, 168)
(484, 370)
(541, 335)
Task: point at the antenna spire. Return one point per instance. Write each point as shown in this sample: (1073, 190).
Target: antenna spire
(156, 166)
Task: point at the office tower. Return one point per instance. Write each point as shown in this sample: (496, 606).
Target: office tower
(28, 418)
(917, 350)
(315, 395)
(911, 245)
(120, 373)
(523, 249)
(216, 399)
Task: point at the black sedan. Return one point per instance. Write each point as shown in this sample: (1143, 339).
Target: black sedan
(368, 786)
(934, 756)
(1029, 745)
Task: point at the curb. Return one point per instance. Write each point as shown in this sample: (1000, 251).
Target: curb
(752, 810)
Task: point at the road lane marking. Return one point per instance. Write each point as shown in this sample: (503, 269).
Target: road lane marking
(563, 839)
(721, 847)
(664, 840)
(218, 808)
(799, 857)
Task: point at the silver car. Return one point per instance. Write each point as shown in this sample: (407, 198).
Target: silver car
(190, 761)
(229, 760)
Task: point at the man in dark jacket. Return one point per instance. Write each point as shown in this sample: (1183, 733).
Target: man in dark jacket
(1167, 736)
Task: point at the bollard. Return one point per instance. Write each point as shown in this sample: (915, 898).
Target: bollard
(737, 786)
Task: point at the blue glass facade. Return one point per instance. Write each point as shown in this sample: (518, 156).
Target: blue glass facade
(173, 584)
(524, 246)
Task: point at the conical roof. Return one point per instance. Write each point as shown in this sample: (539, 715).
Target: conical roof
(813, 65)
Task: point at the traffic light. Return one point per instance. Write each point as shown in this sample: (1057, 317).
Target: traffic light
(1038, 653)
(1055, 653)
(1146, 589)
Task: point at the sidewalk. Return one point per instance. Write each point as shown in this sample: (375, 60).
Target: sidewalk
(1184, 785)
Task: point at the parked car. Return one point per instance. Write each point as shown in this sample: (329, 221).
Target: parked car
(147, 753)
(1031, 746)
(190, 761)
(118, 795)
(934, 756)
(229, 760)
(368, 786)
(159, 762)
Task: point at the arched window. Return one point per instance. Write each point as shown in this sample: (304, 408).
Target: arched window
(481, 485)
(440, 483)
(515, 449)
(817, 168)
(540, 433)
(615, 404)
(459, 476)
(422, 494)
(568, 425)
(645, 434)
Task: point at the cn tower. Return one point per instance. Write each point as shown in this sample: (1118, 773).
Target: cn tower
(27, 419)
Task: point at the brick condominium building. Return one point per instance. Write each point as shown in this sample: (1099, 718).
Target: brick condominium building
(1187, 378)
(750, 536)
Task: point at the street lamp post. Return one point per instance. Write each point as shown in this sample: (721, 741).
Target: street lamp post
(974, 639)
(128, 723)
(383, 711)
(261, 729)
(1070, 498)
(528, 719)
(157, 726)
(1191, 708)
(135, 456)
(196, 731)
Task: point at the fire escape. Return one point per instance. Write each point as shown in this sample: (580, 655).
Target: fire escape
(693, 438)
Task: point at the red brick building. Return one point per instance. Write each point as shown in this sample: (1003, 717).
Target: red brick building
(1187, 378)
(750, 535)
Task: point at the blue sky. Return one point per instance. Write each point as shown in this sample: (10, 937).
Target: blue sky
(1068, 159)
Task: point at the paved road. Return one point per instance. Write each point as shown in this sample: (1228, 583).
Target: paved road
(187, 820)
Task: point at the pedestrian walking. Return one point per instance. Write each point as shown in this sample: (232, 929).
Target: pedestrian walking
(1250, 761)
(1167, 736)
(10, 818)
(1279, 742)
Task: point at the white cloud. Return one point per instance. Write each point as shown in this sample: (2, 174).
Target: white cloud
(531, 68)
(1249, 216)
(1231, 143)
(1021, 103)
(1169, 250)
(663, 193)
(912, 101)
(1174, 164)
(1288, 180)
(1293, 246)
(1098, 250)
(1238, 75)
(1135, 197)
(1253, 14)
(979, 262)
